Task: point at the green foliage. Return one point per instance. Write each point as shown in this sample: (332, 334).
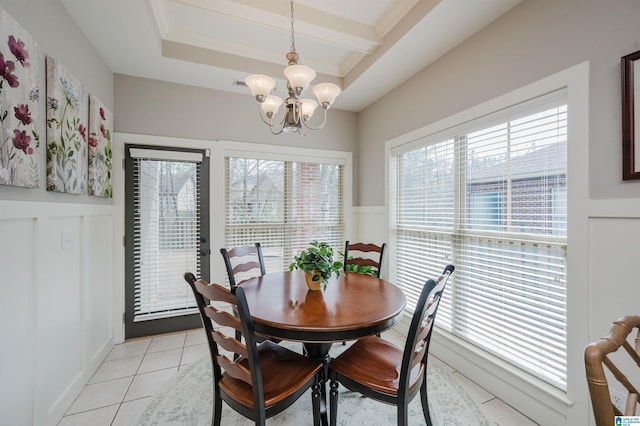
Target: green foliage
(318, 256)
(360, 269)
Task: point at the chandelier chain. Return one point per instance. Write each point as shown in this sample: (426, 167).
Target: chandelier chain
(293, 39)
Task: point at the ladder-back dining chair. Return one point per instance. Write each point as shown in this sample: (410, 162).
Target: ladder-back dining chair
(368, 259)
(258, 380)
(364, 258)
(384, 372)
(621, 368)
(243, 262)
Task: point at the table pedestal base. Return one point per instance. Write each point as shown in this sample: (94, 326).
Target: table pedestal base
(320, 351)
(317, 350)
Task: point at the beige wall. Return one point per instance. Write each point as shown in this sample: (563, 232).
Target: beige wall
(168, 109)
(158, 108)
(535, 39)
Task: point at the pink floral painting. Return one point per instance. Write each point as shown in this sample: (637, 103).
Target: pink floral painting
(19, 112)
(100, 128)
(67, 162)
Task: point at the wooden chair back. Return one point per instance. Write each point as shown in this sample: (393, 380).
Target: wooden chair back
(257, 380)
(416, 348)
(620, 365)
(382, 371)
(364, 255)
(243, 262)
(219, 315)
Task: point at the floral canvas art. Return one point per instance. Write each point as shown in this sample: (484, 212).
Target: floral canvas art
(19, 112)
(100, 127)
(66, 131)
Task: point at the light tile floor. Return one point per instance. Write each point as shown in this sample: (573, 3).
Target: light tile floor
(123, 385)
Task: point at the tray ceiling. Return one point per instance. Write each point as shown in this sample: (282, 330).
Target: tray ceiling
(366, 47)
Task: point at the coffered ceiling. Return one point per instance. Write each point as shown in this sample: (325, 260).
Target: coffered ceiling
(367, 47)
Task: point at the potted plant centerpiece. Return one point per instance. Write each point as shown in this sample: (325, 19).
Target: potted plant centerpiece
(317, 263)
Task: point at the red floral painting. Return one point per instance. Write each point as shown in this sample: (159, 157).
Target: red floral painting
(19, 111)
(100, 132)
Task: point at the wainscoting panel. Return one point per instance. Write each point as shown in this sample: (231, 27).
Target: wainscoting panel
(614, 276)
(17, 321)
(59, 315)
(372, 225)
(57, 305)
(99, 286)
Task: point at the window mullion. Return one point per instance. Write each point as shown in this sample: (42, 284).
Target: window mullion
(508, 178)
(460, 169)
(288, 210)
(460, 209)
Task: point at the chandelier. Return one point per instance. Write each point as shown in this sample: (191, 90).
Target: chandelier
(298, 111)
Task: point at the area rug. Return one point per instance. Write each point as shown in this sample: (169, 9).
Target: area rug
(186, 400)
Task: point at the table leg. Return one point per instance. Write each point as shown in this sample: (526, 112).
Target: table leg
(321, 351)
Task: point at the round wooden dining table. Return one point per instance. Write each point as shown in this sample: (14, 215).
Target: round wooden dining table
(352, 306)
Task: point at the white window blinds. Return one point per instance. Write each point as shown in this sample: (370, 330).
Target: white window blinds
(166, 232)
(283, 205)
(490, 197)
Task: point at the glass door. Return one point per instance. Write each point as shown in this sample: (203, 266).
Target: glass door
(166, 235)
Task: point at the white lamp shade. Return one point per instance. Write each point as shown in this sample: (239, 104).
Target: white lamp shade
(326, 93)
(260, 85)
(299, 76)
(271, 104)
(307, 107)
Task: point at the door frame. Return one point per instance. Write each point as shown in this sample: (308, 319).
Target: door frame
(172, 323)
(118, 177)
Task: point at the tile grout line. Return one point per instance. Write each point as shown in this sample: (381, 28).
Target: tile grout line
(131, 383)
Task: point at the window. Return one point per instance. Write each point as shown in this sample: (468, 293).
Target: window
(489, 196)
(283, 204)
